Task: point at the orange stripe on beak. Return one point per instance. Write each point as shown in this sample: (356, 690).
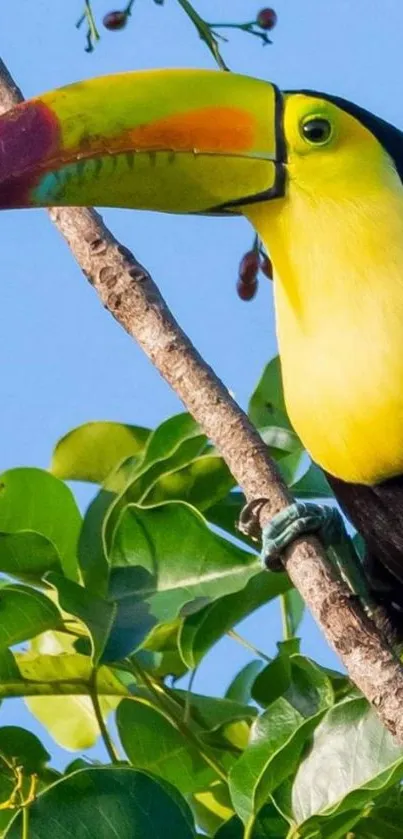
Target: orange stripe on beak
(209, 130)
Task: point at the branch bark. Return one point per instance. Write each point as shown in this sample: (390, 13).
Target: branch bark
(128, 292)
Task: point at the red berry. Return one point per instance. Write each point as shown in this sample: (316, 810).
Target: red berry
(266, 267)
(266, 19)
(249, 267)
(115, 20)
(246, 291)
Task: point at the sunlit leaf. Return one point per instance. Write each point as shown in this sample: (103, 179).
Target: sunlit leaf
(61, 683)
(91, 451)
(24, 613)
(202, 483)
(183, 563)
(212, 806)
(353, 759)
(33, 501)
(267, 406)
(276, 743)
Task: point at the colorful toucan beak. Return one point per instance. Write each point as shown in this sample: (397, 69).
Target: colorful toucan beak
(185, 141)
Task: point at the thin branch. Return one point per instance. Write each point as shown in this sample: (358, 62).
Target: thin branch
(205, 32)
(285, 620)
(248, 646)
(107, 739)
(128, 292)
(167, 705)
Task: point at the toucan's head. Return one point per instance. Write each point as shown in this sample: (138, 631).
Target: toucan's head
(187, 141)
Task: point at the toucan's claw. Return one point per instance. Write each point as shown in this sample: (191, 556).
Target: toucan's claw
(302, 519)
(299, 519)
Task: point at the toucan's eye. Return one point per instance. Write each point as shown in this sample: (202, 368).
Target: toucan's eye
(316, 130)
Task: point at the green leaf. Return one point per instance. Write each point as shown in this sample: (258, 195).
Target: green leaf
(91, 451)
(70, 720)
(24, 613)
(281, 441)
(289, 466)
(107, 802)
(97, 614)
(212, 713)
(27, 556)
(92, 549)
(353, 759)
(202, 483)
(64, 679)
(302, 682)
(240, 688)
(273, 681)
(268, 825)
(310, 690)
(152, 743)
(276, 743)
(23, 748)
(313, 484)
(116, 626)
(382, 823)
(173, 445)
(62, 674)
(267, 406)
(33, 501)
(169, 555)
(200, 631)
(167, 438)
(212, 806)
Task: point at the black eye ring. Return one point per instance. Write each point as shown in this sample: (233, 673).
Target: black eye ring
(316, 131)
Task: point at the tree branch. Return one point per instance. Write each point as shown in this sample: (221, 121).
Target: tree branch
(128, 292)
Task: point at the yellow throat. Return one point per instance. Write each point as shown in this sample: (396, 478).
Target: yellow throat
(337, 251)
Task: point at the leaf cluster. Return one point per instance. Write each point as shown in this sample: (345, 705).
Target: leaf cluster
(101, 614)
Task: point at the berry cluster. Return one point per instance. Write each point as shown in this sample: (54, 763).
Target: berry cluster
(266, 19)
(251, 263)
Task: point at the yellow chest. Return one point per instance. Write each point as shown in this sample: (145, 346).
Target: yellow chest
(339, 316)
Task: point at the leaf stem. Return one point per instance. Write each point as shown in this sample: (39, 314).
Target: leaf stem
(25, 823)
(92, 34)
(108, 742)
(248, 832)
(285, 620)
(204, 31)
(166, 704)
(187, 711)
(248, 646)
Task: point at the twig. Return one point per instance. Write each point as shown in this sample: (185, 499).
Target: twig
(182, 725)
(285, 621)
(128, 292)
(248, 646)
(108, 742)
(204, 31)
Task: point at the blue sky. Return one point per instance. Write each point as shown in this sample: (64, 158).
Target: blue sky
(64, 359)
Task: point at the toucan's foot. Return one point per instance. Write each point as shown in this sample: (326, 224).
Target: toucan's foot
(299, 519)
(303, 519)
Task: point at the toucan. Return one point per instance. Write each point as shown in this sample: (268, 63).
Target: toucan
(320, 179)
